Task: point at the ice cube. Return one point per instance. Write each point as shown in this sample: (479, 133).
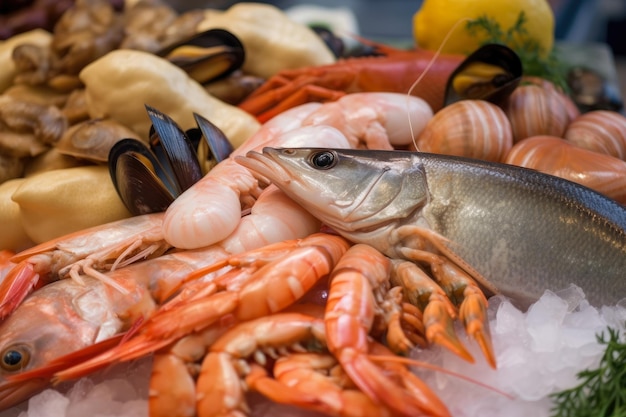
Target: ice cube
(49, 403)
(573, 295)
(549, 308)
(509, 320)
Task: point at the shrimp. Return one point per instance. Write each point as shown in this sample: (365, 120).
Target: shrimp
(253, 286)
(219, 383)
(5, 262)
(210, 210)
(349, 318)
(89, 251)
(62, 318)
(316, 374)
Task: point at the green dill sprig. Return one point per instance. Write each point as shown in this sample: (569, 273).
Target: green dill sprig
(535, 61)
(602, 391)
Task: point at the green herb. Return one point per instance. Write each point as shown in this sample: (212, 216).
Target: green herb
(602, 392)
(530, 52)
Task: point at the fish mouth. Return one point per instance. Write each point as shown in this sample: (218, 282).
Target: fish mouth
(263, 167)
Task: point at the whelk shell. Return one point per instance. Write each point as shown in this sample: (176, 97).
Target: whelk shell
(536, 110)
(93, 139)
(556, 156)
(470, 128)
(601, 131)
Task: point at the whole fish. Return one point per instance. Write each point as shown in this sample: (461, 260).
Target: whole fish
(522, 231)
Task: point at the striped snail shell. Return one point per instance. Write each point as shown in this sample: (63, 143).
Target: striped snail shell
(556, 156)
(601, 131)
(536, 110)
(470, 128)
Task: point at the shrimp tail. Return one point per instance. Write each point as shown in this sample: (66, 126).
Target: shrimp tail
(370, 378)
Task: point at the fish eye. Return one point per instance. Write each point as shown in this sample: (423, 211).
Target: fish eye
(323, 159)
(15, 358)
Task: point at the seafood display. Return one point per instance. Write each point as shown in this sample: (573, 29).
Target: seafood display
(307, 240)
(406, 203)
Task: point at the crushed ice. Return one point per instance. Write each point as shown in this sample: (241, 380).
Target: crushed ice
(539, 352)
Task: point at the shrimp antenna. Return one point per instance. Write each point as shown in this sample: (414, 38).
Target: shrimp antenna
(425, 365)
(430, 64)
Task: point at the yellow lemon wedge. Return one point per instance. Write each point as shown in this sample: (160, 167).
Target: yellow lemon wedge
(437, 19)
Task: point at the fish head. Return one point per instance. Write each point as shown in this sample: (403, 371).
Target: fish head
(57, 319)
(348, 189)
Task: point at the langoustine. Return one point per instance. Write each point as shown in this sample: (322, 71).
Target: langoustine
(395, 72)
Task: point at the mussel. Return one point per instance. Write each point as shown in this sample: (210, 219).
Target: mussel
(490, 73)
(591, 91)
(206, 56)
(149, 177)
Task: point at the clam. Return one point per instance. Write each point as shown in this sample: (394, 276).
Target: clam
(601, 131)
(149, 177)
(93, 139)
(490, 73)
(470, 128)
(206, 56)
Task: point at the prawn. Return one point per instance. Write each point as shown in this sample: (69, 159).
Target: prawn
(65, 316)
(395, 72)
(210, 210)
(90, 251)
(253, 286)
(349, 319)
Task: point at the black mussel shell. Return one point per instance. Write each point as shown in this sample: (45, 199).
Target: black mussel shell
(148, 177)
(490, 73)
(591, 91)
(216, 147)
(140, 180)
(334, 43)
(206, 56)
(173, 149)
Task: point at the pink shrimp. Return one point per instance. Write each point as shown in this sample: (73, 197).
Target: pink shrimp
(211, 209)
(90, 251)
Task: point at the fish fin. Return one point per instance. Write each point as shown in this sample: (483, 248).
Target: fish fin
(18, 283)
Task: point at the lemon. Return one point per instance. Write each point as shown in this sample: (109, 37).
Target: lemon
(437, 18)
